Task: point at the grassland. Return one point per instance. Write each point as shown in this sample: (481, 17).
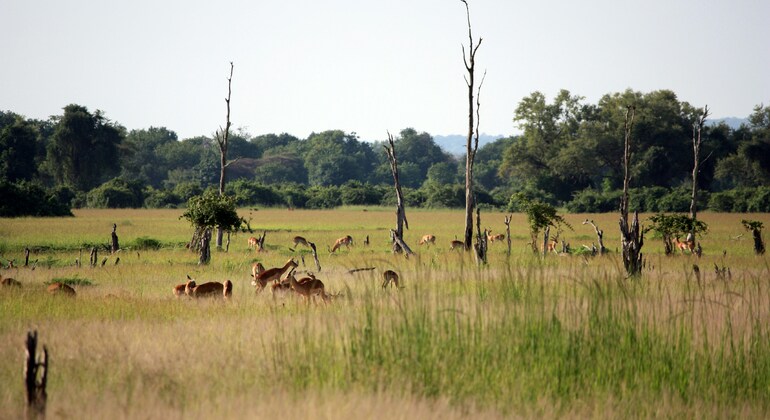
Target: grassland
(564, 336)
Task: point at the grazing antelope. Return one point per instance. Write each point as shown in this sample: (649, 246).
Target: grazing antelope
(300, 240)
(345, 240)
(252, 242)
(428, 240)
(686, 245)
(390, 277)
(209, 289)
(7, 281)
(493, 238)
(179, 289)
(284, 286)
(309, 288)
(61, 288)
(457, 245)
(272, 274)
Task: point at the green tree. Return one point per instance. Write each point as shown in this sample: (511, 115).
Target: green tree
(142, 159)
(333, 158)
(206, 211)
(83, 152)
(674, 226)
(18, 147)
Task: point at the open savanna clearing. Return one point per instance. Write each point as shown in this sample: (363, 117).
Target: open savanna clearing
(560, 336)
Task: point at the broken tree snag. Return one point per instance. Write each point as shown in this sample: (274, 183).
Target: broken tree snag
(35, 377)
(508, 232)
(261, 242)
(315, 255)
(599, 235)
(356, 270)
(397, 236)
(115, 246)
(631, 236)
(480, 247)
(205, 247)
(222, 137)
(94, 257)
(546, 234)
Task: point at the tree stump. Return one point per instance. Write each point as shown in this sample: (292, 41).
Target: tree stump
(34, 369)
(115, 246)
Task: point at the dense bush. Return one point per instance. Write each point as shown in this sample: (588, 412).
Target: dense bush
(30, 199)
(357, 193)
(116, 193)
(741, 200)
(250, 193)
(592, 201)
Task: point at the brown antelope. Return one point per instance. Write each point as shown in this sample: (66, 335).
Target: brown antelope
(228, 290)
(309, 288)
(272, 274)
(209, 289)
(390, 277)
(686, 245)
(7, 281)
(493, 238)
(179, 289)
(61, 288)
(284, 286)
(298, 240)
(256, 269)
(428, 240)
(252, 242)
(456, 245)
(552, 245)
(345, 240)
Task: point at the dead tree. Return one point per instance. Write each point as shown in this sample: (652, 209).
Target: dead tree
(26, 256)
(205, 247)
(632, 237)
(261, 242)
(508, 232)
(35, 377)
(472, 140)
(697, 130)
(480, 247)
(223, 137)
(599, 236)
(115, 245)
(315, 255)
(94, 257)
(397, 236)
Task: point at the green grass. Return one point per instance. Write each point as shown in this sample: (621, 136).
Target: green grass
(561, 337)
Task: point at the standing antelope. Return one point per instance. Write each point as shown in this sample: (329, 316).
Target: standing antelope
(252, 242)
(256, 269)
(309, 288)
(552, 245)
(428, 240)
(492, 238)
(390, 277)
(345, 240)
(272, 274)
(457, 245)
(284, 285)
(686, 245)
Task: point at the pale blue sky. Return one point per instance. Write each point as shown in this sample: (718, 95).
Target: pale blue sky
(366, 66)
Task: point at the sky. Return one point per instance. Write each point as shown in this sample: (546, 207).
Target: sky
(370, 67)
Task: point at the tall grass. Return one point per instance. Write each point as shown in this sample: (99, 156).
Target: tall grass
(564, 336)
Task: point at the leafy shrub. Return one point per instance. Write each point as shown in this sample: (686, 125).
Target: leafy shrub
(250, 193)
(592, 201)
(30, 199)
(70, 281)
(357, 193)
(323, 197)
(116, 193)
(155, 199)
(145, 242)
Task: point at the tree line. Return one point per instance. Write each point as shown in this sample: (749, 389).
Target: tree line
(568, 155)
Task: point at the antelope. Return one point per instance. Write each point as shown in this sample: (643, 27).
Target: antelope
(390, 277)
(428, 240)
(61, 288)
(300, 240)
(179, 289)
(552, 245)
(284, 285)
(256, 269)
(209, 289)
(7, 281)
(492, 238)
(309, 288)
(228, 290)
(345, 240)
(252, 242)
(272, 274)
(686, 245)
(457, 244)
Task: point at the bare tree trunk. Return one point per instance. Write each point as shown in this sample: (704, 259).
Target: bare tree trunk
(697, 130)
(398, 235)
(34, 369)
(94, 257)
(546, 234)
(115, 245)
(315, 255)
(471, 144)
(205, 249)
(508, 232)
(480, 247)
(222, 140)
(632, 238)
(599, 236)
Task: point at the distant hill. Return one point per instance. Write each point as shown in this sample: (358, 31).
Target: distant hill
(455, 143)
(732, 122)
